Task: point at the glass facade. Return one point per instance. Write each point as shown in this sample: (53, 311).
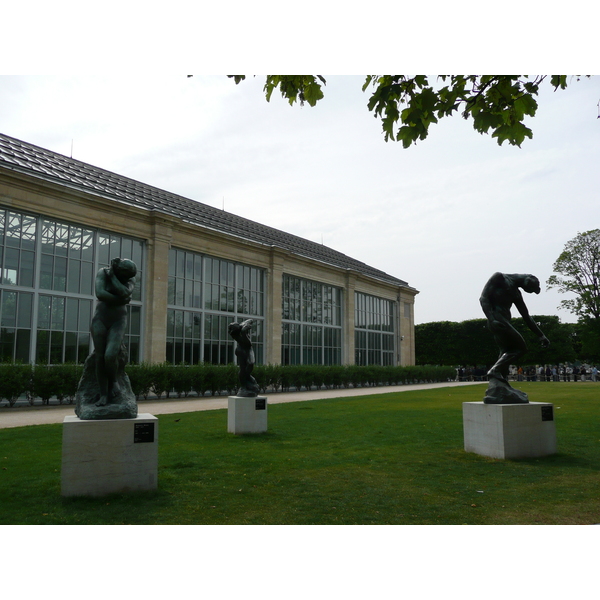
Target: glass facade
(374, 328)
(47, 294)
(205, 295)
(16, 309)
(312, 323)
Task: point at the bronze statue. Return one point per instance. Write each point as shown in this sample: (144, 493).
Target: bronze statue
(240, 332)
(104, 390)
(114, 286)
(499, 294)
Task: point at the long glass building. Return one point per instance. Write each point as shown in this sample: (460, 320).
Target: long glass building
(199, 269)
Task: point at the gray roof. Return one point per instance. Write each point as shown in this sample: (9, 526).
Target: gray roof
(16, 155)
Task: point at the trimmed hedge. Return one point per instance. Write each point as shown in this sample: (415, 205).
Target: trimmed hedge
(42, 381)
(15, 380)
(60, 381)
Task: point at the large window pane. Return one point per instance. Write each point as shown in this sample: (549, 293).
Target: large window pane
(73, 277)
(28, 232)
(67, 264)
(27, 268)
(11, 266)
(58, 313)
(13, 231)
(317, 304)
(22, 346)
(374, 330)
(72, 313)
(7, 343)
(85, 315)
(86, 278)
(71, 346)
(75, 243)
(8, 309)
(212, 289)
(25, 313)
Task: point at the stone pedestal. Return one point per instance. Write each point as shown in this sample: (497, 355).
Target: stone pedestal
(509, 430)
(110, 456)
(246, 415)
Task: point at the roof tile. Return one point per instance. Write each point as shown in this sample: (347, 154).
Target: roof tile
(17, 155)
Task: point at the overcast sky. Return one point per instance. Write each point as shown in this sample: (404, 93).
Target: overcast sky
(442, 215)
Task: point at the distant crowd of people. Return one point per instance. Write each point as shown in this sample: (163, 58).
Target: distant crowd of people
(535, 373)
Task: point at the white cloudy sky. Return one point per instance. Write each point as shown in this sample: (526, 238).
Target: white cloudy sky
(442, 215)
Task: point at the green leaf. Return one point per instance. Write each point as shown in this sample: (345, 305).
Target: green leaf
(313, 93)
(483, 120)
(237, 78)
(514, 134)
(525, 105)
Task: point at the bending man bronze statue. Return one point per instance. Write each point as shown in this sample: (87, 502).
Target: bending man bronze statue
(114, 286)
(500, 293)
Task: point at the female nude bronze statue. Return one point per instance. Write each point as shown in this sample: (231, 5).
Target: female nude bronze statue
(240, 332)
(114, 286)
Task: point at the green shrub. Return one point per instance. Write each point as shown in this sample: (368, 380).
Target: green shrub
(357, 376)
(61, 381)
(297, 376)
(389, 375)
(183, 380)
(58, 381)
(274, 376)
(409, 375)
(45, 383)
(70, 375)
(199, 380)
(15, 380)
(268, 377)
(162, 379)
(260, 373)
(307, 376)
(213, 381)
(230, 378)
(140, 377)
(333, 377)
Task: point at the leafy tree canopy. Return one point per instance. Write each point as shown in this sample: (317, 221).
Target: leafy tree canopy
(407, 106)
(579, 273)
(587, 339)
(472, 343)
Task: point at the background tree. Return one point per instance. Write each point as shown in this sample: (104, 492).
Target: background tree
(561, 348)
(407, 106)
(586, 340)
(471, 343)
(579, 269)
(451, 343)
(435, 343)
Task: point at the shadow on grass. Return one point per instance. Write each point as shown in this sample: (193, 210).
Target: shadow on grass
(560, 459)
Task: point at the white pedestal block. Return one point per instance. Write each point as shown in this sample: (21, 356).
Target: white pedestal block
(246, 415)
(109, 456)
(509, 430)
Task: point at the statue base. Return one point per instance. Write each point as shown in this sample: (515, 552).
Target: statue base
(107, 457)
(246, 415)
(499, 391)
(88, 393)
(509, 430)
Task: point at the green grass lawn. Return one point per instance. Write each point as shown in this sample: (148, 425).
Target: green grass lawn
(393, 458)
